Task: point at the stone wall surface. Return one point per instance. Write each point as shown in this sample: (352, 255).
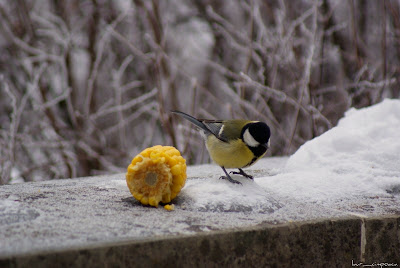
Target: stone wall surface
(94, 221)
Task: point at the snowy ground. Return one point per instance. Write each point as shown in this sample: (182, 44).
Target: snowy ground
(357, 159)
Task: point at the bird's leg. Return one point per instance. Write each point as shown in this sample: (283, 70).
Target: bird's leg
(244, 174)
(228, 177)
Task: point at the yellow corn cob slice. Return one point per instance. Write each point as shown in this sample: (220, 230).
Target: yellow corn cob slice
(156, 175)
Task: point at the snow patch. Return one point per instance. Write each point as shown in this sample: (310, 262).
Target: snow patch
(359, 159)
(222, 196)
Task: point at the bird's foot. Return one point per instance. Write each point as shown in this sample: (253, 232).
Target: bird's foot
(230, 179)
(244, 174)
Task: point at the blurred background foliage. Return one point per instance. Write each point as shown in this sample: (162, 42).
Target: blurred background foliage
(87, 84)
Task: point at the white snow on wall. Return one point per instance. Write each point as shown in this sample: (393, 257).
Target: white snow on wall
(359, 158)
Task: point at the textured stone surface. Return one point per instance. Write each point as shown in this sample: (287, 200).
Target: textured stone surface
(310, 244)
(96, 222)
(382, 240)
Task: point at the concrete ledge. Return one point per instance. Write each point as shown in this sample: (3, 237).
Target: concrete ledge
(92, 222)
(382, 238)
(333, 243)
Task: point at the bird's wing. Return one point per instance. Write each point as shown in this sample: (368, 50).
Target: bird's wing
(210, 127)
(215, 127)
(224, 130)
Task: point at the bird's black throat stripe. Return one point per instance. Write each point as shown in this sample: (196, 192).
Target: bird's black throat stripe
(252, 161)
(258, 152)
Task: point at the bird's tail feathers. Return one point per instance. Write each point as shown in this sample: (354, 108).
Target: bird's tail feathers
(192, 119)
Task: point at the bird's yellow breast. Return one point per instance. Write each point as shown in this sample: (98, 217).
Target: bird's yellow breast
(234, 154)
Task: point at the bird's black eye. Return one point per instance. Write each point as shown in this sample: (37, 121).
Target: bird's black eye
(260, 132)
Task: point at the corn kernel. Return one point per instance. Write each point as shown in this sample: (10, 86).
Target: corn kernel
(169, 207)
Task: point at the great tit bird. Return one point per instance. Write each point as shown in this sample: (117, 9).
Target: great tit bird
(233, 143)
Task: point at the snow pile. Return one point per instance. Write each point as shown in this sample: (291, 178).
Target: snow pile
(358, 158)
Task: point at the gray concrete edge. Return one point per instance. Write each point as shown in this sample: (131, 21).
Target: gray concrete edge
(340, 242)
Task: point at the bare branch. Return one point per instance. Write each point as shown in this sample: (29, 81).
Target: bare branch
(128, 105)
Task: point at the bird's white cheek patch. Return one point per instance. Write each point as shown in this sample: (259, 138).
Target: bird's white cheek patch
(249, 140)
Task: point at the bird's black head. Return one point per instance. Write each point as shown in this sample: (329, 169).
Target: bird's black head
(256, 135)
(260, 132)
